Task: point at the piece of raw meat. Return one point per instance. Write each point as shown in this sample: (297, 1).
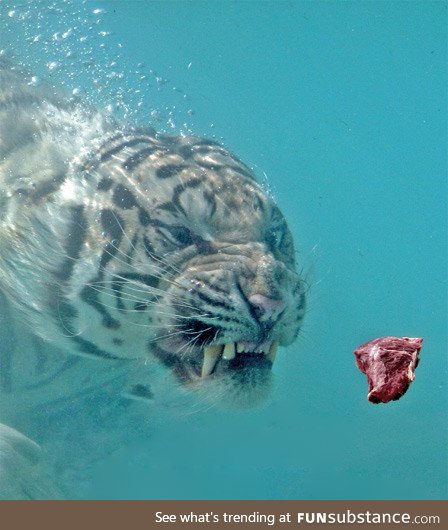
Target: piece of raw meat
(389, 363)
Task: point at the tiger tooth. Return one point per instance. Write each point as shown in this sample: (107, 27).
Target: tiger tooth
(239, 347)
(272, 351)
(229, 351)
(211, 356)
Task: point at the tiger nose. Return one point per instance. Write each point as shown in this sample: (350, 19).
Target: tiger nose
(266, 309)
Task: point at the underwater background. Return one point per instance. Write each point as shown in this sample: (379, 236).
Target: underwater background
(341, 108)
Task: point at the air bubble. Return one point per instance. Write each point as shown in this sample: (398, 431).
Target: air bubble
(52, 65)
(34, 81)
(108, 79)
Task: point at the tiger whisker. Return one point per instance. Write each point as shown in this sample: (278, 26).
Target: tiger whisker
(149, 302)
(189, 346)
(104, 286)
(143, 288)
(168, 335)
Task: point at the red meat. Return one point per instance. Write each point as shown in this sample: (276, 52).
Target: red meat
(389, 363)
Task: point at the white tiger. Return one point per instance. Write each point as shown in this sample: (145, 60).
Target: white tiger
(127, 259)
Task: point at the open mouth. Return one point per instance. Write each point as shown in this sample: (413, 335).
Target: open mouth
(212, 356)
(220, 356)
(203, 352)
(238, 355)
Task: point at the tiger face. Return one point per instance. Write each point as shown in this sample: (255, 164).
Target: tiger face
(230, 293)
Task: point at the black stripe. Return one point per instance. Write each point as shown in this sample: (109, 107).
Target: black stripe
(90, 295)
(149, 249)
(214, 303)
(119, 136)
(302, 302)
(47, 187)
(213, 287)
(124, 198)
(260, 204)
(119, 281)
(142, 392)
(117, 288)
(106, 155)
(168, 171)
(76, 397)
(180, 188)
(210, 165)
(113, 226)
(181, 235)
(71, 361)
(210, 200)
(186, 151)
(143, 217)
(133, 161)
(65, 314)
(41, 356)
(242, 172)
(203, 246)
(132, 249)
(75, 239)
(210, 144)
(88, 348)
(105, 184)
(168, 207)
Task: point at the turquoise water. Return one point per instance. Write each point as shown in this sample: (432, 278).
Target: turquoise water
(342, 105)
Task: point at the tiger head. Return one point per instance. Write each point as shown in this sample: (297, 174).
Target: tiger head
(229, 294)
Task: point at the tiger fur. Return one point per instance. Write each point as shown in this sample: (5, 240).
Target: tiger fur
(129, 261)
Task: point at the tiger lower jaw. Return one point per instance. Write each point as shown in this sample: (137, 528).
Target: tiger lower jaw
(243, 381)
(241, 371)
